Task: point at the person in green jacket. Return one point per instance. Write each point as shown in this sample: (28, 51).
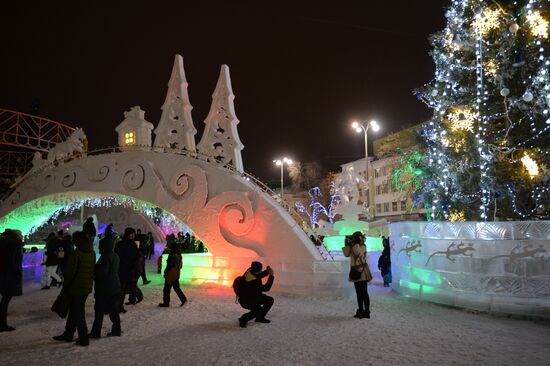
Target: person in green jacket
(79, 277)
(107, 288)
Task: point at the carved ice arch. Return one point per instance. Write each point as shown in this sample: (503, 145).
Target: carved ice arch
(229, 213)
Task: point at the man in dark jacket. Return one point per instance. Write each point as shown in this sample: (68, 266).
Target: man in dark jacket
(143, 248)
(11, 284)
(127, 251)
(107, 288)
(79, 278)
(89, 229)
(252, 297)
(172, 276)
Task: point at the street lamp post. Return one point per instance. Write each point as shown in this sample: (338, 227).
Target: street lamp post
(281, 163)
(364, 126)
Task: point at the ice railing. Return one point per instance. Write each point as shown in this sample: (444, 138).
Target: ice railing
(190, 154)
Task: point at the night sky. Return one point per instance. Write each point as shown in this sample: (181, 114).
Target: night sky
(301, 71)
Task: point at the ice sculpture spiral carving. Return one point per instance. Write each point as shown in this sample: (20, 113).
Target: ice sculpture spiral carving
(133, 179)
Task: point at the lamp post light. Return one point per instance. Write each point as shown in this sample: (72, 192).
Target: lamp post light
(281, 163)
(364, 126)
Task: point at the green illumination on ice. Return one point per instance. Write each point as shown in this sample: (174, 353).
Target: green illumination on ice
(429, 289)
(374, 244)
(32, 215)
(348, 227)
(410, 285)
(427, 276)
(336, 242)
(29, 216)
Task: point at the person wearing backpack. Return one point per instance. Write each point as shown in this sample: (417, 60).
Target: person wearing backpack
(172, 276)
(249, 290)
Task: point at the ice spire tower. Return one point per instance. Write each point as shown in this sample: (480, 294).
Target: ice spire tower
(220, 138)
(175, 128)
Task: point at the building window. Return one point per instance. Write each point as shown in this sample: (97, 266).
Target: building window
(386, 207)
(378, 189)
(378, 208)
(403, 205)
(384, 188)
(394, 206)
(376, 172)
(129, 138)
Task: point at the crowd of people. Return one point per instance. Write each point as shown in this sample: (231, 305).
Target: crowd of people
(71, 262)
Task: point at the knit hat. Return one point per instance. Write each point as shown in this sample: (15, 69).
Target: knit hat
(256, 267)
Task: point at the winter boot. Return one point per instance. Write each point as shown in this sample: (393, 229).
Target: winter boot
(262, 320)
(242, 323)
(364, 315)
(63, 337)
(83, 342)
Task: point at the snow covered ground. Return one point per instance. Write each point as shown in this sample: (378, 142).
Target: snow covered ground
(304, 331)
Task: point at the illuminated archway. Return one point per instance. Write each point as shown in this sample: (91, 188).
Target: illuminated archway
(230, 213)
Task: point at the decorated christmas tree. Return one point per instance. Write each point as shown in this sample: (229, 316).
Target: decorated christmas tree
(488, 141)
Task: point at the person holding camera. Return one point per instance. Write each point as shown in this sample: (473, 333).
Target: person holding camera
(359, 273)
(251, 295)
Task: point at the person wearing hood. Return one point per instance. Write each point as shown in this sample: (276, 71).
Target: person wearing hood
(11, 283)
(252, 297)
(79, 277)
(107, 288)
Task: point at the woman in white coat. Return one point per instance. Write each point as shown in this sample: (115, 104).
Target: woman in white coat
(360, 273)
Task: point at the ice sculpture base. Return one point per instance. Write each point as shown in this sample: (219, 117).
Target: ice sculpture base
(497, 267)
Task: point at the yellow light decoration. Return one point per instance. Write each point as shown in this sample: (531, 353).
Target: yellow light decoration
(445, 141)
(488, 20)
(449, 38)
(129, 138)
(539, 25)
(530, 165)
(455, 216)
(462, 120)
(491, 68)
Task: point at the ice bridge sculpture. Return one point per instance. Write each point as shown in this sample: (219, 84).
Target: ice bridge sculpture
(203, 186)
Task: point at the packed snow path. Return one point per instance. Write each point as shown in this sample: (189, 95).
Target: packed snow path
(304, 331)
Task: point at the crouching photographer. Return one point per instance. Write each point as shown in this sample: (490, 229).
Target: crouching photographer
(249, 289)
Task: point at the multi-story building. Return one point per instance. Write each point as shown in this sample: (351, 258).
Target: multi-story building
(381, 199)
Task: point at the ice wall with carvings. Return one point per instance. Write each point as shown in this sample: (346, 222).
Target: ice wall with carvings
(487, 266)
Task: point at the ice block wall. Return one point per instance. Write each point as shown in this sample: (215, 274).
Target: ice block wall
(501, 267)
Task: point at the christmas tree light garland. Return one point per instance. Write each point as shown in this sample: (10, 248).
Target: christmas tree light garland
(506, 117)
